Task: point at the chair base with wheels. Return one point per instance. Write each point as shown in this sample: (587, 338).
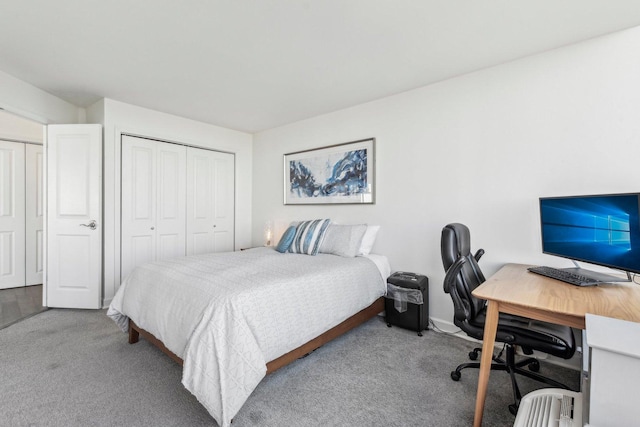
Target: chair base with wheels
(511, 367)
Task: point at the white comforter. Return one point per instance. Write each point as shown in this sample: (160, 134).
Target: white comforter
(226, 315)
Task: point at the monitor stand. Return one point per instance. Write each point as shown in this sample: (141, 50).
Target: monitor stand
(596, 275)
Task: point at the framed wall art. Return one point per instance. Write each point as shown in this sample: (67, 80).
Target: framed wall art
(342, 173)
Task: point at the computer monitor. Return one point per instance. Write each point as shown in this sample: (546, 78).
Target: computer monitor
(600, 229)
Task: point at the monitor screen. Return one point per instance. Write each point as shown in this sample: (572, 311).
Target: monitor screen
(603, 230)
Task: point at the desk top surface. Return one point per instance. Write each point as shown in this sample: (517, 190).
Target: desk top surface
(514, 286)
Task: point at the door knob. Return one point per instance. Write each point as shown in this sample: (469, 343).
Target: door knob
(92, 225)
(153, 228)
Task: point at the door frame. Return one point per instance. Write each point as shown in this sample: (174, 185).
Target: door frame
(145, 123)
(115, 251)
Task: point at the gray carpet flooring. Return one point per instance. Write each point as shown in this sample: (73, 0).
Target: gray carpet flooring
(75, 368)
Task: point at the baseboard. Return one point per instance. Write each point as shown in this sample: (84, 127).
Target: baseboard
(448, 327)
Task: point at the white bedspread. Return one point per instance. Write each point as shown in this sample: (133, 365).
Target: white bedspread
(226, 315)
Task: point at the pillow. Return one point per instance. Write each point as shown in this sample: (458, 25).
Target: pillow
(368, 239)
(343, 240)
(286, 239)
(309, 235)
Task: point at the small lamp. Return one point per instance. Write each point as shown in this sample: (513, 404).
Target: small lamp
(268, 233)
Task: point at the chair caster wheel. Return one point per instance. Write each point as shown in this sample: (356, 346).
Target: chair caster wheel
(419, 334)
(388, 325)
(513, 408)
(455, 375)
(534, 366)
(473, 355)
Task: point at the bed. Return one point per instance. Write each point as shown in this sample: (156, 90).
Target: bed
(231, 318)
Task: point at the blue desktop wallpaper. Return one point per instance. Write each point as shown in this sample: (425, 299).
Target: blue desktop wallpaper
(601, 230)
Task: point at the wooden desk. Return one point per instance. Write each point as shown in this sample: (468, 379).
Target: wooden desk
(516, 291)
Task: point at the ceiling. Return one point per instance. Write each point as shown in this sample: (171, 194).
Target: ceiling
(254, 65)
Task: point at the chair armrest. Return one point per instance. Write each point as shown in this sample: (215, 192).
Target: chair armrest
(479, 254)
(459, 311)
(452, 273)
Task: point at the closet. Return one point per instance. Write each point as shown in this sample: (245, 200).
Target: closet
(176, 200)
(21, 214)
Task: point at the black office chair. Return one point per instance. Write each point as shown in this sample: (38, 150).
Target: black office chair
(463, 276)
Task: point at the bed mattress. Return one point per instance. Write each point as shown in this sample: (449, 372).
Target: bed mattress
(228, 314)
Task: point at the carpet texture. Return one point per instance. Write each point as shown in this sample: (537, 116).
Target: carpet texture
(75, 368)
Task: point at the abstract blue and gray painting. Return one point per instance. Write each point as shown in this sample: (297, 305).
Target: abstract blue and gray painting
(340, 174)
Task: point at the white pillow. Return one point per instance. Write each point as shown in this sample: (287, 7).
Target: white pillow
(368, 239)
(309, 236)
(343, 240)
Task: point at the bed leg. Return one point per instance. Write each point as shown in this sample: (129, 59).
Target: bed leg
(134, 335)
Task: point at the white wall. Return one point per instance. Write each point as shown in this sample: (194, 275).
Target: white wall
(28, 101)
(478, 149)
(18, 128)
(118, 118)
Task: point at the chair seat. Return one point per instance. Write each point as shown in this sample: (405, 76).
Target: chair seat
(550, 338)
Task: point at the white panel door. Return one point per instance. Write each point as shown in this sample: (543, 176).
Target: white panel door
(12, 216)
(153, 202)
(170, 204)
(73, 269)
(138, 203)
(34, 161)
(210, 201)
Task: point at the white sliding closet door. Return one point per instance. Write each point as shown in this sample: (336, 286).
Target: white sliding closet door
(210, 201)
(34, 214)
(153, 201)
(12, 214)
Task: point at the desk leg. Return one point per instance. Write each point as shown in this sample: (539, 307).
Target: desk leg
(490, 327)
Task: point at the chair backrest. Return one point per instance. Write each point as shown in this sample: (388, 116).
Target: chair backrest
(463, 272)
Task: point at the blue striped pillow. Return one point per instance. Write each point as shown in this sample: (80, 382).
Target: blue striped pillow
(309, 235)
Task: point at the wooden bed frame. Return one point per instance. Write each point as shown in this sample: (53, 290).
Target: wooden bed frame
(357, 319)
